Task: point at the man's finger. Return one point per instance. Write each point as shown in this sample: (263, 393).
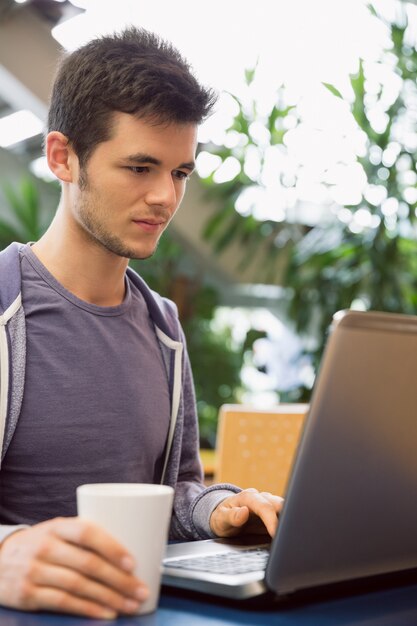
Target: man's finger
(91, 536)
(58, 600)
(239, 516)
(263, 505)
(76, 584)
(227, 521)
(92, 565)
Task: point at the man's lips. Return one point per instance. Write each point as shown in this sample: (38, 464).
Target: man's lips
(150, 225)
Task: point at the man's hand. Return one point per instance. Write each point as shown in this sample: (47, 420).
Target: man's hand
(68, 565)
(248, 511)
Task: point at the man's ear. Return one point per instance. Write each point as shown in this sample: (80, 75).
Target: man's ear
(61, 157)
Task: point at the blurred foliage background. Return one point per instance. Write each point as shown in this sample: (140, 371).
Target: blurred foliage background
(23, 218)
(363, 255)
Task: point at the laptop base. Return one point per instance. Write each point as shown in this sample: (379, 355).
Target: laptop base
(268, 600)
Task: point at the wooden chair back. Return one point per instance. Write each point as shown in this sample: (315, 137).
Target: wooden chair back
(255, 448)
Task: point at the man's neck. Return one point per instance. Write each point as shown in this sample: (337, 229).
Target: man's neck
(84, 267)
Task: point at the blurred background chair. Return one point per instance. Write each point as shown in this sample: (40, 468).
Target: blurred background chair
(255, 448)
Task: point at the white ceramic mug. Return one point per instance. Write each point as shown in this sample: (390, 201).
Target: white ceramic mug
(138, 516)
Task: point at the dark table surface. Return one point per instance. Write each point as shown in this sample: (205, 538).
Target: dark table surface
(393, 606)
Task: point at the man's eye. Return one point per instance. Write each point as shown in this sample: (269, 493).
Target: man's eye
(181, 175)
(138, 169)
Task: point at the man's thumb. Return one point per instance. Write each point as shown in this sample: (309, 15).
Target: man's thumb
(240, 515)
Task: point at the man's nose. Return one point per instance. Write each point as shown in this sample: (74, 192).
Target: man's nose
(162, 192)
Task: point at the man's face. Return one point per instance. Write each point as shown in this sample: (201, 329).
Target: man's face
(133, 184)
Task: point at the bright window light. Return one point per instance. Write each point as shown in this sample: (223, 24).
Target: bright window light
(228, 170)
(100, 19)
(18, 127)
(40, 168)
(207, 163)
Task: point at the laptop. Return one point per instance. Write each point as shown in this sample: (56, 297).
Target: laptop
(350, 510)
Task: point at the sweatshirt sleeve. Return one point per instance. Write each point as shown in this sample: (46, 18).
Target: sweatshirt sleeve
(6, 530)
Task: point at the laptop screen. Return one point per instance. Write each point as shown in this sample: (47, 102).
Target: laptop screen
(351, 507)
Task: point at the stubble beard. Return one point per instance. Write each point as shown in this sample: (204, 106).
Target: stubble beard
(88, 217)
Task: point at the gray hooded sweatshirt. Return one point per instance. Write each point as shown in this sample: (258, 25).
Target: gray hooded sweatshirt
(193, 502)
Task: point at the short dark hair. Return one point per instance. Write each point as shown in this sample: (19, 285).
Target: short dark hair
(134, 71)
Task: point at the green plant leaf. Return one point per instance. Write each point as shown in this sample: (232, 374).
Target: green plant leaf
(333, 90)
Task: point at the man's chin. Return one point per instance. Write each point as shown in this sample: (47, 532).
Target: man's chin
(141, 255)
(131, 253)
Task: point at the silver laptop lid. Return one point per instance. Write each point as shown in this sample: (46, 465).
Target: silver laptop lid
(351, 503)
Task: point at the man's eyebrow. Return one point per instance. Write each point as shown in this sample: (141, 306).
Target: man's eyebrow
(141, 157)
(190, 165)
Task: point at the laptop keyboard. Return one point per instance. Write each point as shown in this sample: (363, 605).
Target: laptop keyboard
(241, 562)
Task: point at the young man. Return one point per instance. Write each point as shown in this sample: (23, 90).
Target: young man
(96, 384)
